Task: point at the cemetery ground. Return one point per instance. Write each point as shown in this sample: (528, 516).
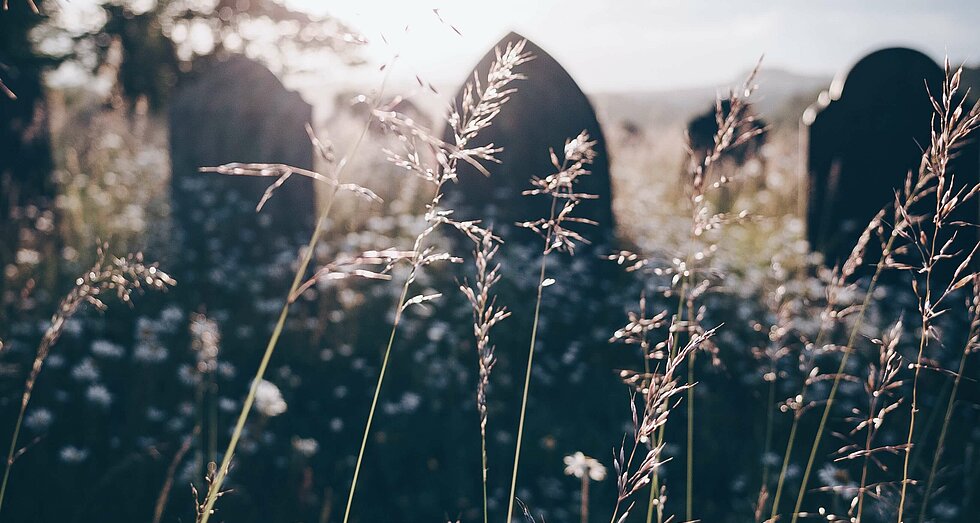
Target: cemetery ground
(692, 358)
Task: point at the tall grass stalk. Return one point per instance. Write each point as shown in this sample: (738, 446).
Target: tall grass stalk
(689, 500)
(578, 153)
(214, 489)
(480, 104)
(119, 276)
(848, 349)
(734, 129)
(954, 126)
(881, 382)
(374, 400)
(486, 314)
(951, 126)
(839, 282)
(658, 401)
(967, 349)
(527, 383)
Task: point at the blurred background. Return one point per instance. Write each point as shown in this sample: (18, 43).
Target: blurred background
(109, 107)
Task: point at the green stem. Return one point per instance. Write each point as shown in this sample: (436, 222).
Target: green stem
(923, 341)
(690, 437)
(527, 383)
(655, 483)
(689, 479)
(820, 339)
(837, 378)
(11, 452)
(942, 434)
(654, 490)
(872, 411)
(915, 408)
(222, 471)
(374, 400)
(767, 441)
(483, 446)
(782, 471)
(215, 489)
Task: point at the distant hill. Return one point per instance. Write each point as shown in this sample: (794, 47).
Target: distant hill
(781, 98)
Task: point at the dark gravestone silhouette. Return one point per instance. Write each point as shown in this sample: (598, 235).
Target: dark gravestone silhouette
(863, 140)
(547, 109)
(701, 131)
(573, 369)
(702, 128)
(237, 111)
(232, 263)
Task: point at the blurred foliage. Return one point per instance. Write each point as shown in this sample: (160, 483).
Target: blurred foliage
(160, 42)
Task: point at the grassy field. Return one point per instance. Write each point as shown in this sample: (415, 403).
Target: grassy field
(407, 366)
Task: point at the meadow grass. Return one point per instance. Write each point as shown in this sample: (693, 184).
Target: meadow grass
(675, 339)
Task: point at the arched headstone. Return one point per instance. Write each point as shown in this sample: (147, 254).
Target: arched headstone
(547, 108)
(236, 110)
(864, 136)
(572, 369)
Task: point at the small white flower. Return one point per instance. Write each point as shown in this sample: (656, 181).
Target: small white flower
(39, 419)
(107, 349)
(150, 353)
(580, 465)
(227, 404)
(306, 447)
(85, 371)
(73, 454)
(99, 395)
(268, 399)
(410, 401)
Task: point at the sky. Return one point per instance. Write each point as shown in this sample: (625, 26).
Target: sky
(639, 45)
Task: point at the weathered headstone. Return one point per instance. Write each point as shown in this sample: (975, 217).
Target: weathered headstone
(573, 368)
(702, 129)
(547, 108)
(701, 132)
(236, 110)
(864, 136)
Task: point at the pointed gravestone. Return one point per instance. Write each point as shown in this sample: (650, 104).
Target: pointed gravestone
(864, 136)
(236, 110)
(547, 108)
(573, 368)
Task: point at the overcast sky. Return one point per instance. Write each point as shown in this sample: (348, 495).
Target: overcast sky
(658, 44)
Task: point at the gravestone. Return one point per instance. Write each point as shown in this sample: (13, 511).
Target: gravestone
(864, 136)
(735, 162)
(572, 370)
(547, 108)
(236, 110)
(702, 129)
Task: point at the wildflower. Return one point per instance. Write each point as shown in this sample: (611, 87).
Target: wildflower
(72, 454)
(580, 465)
(268, 399)
(107, 349)
(85, 371)
(99, 395)
(306, 447)
(150, 353)
(227, 404)
(40, 419)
